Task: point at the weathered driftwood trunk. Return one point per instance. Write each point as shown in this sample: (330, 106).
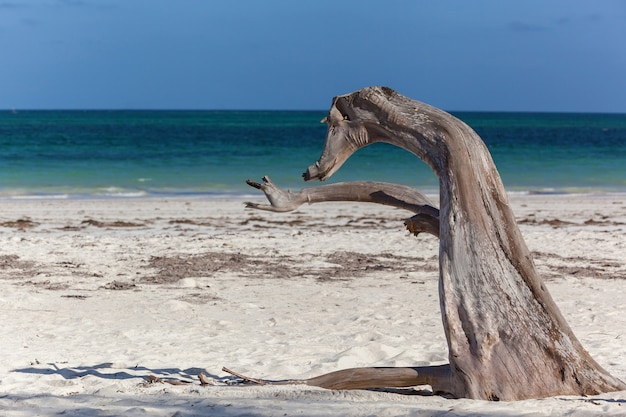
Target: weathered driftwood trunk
(507, 339)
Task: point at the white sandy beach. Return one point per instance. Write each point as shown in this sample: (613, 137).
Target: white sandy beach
(104, 301)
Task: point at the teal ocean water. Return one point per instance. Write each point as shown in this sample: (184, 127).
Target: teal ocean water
(124, 154)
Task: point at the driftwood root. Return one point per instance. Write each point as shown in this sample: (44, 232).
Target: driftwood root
(438, 377)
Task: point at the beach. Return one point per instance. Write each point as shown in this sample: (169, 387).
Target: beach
(114, 306)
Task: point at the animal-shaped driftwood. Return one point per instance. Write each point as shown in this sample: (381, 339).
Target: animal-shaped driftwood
(506, 337)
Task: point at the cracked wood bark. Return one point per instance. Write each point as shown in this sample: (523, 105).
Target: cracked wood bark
(507, 339)
(425, 220)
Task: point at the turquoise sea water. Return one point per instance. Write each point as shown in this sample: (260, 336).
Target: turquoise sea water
(69, 154)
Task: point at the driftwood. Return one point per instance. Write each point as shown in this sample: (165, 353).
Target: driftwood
(507, 339)
(367, 378)
(426, 218)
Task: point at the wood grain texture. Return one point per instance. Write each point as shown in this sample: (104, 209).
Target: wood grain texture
(507, 338)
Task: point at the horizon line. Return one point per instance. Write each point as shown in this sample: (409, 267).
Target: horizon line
(163, 109)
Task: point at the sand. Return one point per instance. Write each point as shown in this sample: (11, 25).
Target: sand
(105, 302)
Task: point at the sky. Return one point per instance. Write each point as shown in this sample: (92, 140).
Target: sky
(459, 55)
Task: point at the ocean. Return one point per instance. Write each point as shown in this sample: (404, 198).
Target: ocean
(133, 154)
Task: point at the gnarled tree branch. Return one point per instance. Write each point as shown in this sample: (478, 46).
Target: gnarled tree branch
(396, 195)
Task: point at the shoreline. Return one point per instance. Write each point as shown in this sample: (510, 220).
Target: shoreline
(250, 193)
(99, 294)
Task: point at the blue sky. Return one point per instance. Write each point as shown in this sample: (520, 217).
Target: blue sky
(531, 55)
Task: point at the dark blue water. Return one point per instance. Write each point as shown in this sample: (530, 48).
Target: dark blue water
(142, 153)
